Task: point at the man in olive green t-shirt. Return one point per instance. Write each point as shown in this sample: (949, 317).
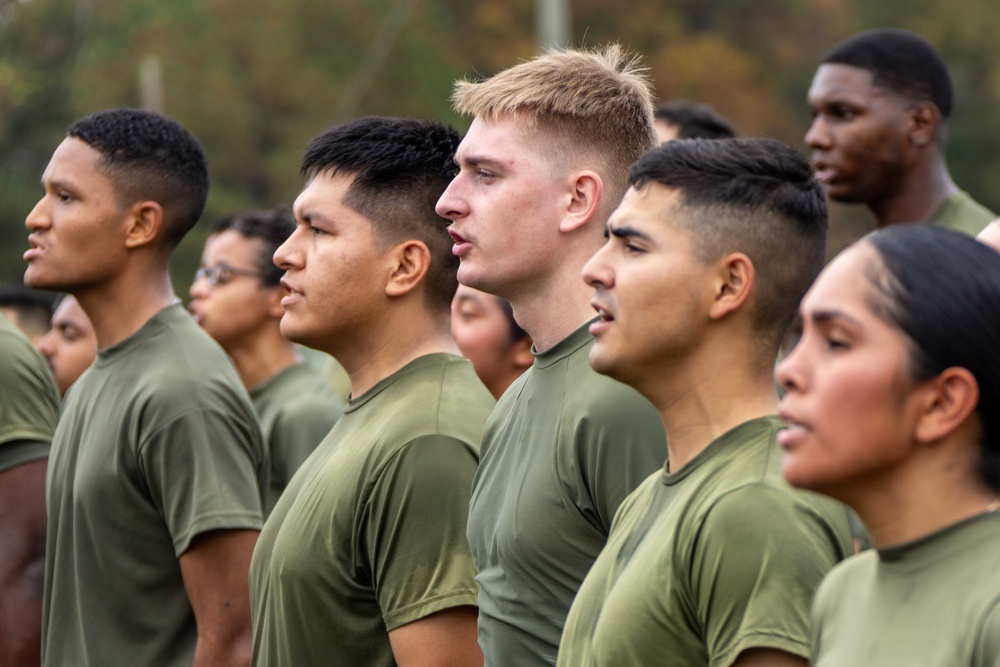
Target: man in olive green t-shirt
(157, 467)
(714, 559)
(364, 561)
(236, 298)
(29, 410)
(881, 101)
(541, 168)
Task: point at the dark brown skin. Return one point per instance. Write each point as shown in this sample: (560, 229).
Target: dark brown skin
(22, 563)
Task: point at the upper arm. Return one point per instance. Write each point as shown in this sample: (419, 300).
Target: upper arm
(756, 563)
(215, 569)
(443, 639)
(765, 657)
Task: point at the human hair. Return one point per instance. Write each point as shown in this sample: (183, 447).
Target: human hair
(755, 196)
(900, 61)
(149, 157)
(271, 228)
(401, 167)
(596, 105)
(33, 308)
(694, 121)
(941, 289)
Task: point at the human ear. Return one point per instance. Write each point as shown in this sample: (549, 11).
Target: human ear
(951, 398)
(144, 224)
(587, 190)
(410, 262)
(274, 308)
(925, 118)
(734, 283)
(520, 353)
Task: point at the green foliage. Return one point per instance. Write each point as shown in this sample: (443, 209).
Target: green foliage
(256, 80)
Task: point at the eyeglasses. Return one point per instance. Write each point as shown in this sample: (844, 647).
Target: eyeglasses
(220, 274)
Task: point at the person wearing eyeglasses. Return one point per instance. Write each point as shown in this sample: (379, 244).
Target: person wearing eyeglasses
(236, 298)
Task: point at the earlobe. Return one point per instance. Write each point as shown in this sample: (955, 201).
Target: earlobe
(733, 286)
(521, 356)
(144, 224)
(410, 263)
(585, 198)
(274, 308)
(952, 399)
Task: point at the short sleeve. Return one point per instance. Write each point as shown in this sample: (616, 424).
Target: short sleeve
(29, 402)
(620, 443)
(757, 560)
(415, 521)
(203, 470)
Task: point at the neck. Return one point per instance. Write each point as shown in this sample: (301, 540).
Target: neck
(907, 504)
(119, 308)
(391, 344)
(917, 198)
(705, 394)
(261, 356)
(551, 309)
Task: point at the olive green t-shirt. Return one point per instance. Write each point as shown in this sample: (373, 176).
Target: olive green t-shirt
(297, 408)
(702, 564)
(29, 401)
(961, 213)
(563, 448)
(370, 533)
(933, 602)
(157, 443)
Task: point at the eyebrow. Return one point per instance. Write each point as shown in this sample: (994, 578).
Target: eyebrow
(826, 316)
(477, 160)
(627, 232)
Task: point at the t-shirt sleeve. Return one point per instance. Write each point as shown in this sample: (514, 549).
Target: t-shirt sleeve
(296, 433)
(29, 402)
(414, 523)
(202, 468)
(621, 442)
(756, 562)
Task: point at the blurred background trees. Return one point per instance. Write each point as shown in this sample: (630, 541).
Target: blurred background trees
(256, 80)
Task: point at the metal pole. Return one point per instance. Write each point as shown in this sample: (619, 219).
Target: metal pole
(553, 24)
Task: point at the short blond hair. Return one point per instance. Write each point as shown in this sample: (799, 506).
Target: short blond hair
(599, 102)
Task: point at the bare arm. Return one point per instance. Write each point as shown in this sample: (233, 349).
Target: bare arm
(768, 657)
(216, 569)
(444, 639)
(22, 563)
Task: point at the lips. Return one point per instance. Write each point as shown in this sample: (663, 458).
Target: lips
(35, 250)
(293, 295)
(461, 243)
(823, 172)
(793, 432)
(604, 318)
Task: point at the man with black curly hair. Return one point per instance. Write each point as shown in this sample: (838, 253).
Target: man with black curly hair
(157, 466)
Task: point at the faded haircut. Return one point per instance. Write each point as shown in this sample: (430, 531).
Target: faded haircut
(149, 157)
(755, 196)
(597, 102)
(401, 168)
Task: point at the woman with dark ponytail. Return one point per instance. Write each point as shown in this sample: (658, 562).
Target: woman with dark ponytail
(893, 407)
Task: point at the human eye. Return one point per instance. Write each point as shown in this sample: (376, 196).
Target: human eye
(316, 231)
(64, 197)
(485, 175)
(836, 342)
(844, 113)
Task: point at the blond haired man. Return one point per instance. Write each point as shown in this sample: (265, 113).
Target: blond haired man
(544, 163)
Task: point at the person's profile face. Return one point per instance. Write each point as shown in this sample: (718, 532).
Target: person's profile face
(858, 134)
(482, 330)
(850, 404)
(650, 287)
(504, 206)
(228, 299)
(77, 228)
(70, 346)
(335, 269)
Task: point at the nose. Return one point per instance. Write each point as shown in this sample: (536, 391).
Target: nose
(450, 205)
(790, 371)
(199, 288)
(818, 136)
(47, 344)
(38, 218)
(289, 254)
(597, 272)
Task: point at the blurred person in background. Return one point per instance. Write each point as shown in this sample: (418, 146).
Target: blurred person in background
(236, 298)
(881, 101)
(484, 329)
(29, 310)
(688, 120)
(70, 346)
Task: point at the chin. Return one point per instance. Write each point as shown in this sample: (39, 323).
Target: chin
(602, 363)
